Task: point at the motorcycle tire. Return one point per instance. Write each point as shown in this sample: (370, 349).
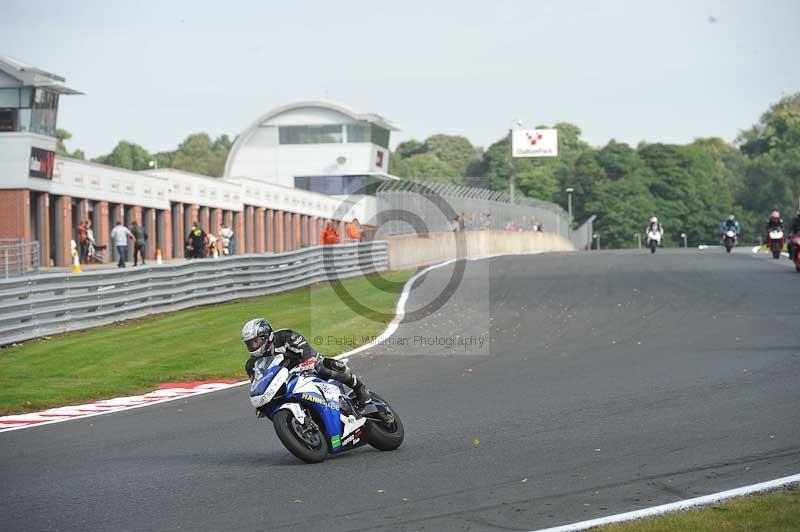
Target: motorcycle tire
(776, 250)
(311, 451)
(653, 246)
(382, 436)
(728, 245)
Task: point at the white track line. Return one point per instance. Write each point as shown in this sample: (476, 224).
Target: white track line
(680, 505)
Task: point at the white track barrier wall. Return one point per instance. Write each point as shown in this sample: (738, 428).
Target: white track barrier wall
(41, 305)
(410, 251)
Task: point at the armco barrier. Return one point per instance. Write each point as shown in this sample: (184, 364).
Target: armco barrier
(408, 251)
(42, 305)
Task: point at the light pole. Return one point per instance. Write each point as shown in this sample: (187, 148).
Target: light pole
(153, 164)
(638, 240)
(596, 236)
(683, 236)
(511, 159)
(569, 191)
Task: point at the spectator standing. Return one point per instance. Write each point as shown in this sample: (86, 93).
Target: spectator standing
(82, 245)
(213, 246)
(226, 235)
(354, 231)
(330, 235)
(196, 241)
(140, 233)
(454, 224)
(119, 236)
(90, 242)
(511, 226)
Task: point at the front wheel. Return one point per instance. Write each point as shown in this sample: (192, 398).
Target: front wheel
(728, 245)
(653, 246)
(304, 440)
(776, 250)
(385, 435)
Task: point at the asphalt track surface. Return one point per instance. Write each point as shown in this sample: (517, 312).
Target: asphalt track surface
(608, 382)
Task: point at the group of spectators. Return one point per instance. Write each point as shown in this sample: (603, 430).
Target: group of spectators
(120, 235)
(352, 233)
(200, 244)
(483, 222)
(86, 243)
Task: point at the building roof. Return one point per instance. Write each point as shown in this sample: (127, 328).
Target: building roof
(324, 104)
(28, 76)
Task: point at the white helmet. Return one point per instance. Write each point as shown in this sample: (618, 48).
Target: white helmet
(257, 336)
(653, 220)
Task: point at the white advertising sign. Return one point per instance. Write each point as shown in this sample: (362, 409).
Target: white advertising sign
(534, 142)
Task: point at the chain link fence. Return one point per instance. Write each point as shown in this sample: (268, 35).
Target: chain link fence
(18, 258)
(416, 206)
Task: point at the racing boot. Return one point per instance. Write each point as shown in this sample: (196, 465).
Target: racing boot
(339, 370)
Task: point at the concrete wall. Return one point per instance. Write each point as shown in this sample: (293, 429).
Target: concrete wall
(410, 251)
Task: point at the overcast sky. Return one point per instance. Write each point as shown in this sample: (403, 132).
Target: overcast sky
(153, 72)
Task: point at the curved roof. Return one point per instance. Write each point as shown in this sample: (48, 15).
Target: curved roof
(320, 104)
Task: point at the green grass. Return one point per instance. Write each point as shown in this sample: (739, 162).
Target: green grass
(196, 344)
(772, 512)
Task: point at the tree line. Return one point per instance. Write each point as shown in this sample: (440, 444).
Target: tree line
(198, 153)
(691, 187)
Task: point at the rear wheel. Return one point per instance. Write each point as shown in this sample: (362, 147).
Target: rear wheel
(385, 435)
(304, 440)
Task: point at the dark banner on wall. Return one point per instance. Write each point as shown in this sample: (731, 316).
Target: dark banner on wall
(42, 162)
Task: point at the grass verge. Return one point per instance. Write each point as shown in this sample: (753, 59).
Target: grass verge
(771, 512)
(195, 344)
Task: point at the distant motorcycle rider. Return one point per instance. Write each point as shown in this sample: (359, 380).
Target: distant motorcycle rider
(775, 223)
(730, 224)
(261, 340)
(655, 226)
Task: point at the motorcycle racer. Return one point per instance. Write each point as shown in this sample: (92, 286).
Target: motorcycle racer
(730, 223)
(775, 223)
(261, 340)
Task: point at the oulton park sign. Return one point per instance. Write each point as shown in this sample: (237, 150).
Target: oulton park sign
(534, 143)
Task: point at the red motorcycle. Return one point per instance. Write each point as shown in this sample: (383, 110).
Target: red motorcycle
(794, 251)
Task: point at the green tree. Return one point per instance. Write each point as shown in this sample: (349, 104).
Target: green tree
(409, 148)
(127, 155)
(623, 208)
(773, 148)
(455, 150)
(428, 167)
(62, 135)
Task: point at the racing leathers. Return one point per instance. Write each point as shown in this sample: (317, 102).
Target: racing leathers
(292, 345)
(657, 227)
(730, 224)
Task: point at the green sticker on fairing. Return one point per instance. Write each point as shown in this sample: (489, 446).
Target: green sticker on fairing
(336, 442)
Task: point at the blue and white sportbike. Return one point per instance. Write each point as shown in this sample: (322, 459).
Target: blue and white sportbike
(314, 417)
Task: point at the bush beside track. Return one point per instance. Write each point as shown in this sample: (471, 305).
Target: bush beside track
(197, 344)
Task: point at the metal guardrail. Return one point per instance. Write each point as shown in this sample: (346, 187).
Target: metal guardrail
(18, 258)
(42, 305)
